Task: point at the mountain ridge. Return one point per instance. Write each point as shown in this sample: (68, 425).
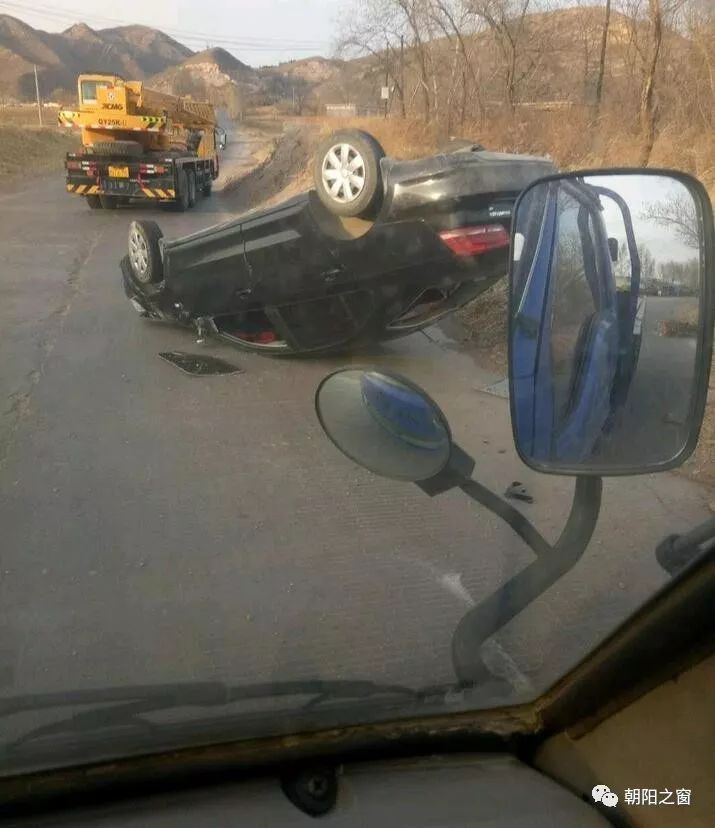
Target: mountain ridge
(135, 52)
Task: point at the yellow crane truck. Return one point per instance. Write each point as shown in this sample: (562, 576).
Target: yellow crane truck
(140, 144)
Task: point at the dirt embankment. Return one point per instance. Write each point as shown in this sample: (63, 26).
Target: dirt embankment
(282, 172)
(28, 150)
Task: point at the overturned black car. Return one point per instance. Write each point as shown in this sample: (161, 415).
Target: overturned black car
(379, 249)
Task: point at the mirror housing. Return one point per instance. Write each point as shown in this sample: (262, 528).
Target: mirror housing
(391, 427)
(609, 357)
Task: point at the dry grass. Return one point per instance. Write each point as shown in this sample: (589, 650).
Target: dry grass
(30, 150)
(26, 115)
(685, 323)
(400, 138)
(573, 140)
(486, 321)
(701, 466)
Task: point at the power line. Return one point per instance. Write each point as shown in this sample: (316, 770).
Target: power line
(248, 43)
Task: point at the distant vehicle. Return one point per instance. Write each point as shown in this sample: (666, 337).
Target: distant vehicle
(140, 144)
(379, 249)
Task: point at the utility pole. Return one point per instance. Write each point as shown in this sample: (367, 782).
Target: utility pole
(37, 94)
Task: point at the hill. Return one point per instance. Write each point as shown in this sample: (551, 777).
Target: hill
(216, 56)
(130, 51)
(313, 69)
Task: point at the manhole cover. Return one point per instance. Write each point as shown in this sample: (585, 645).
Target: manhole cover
(199, 365)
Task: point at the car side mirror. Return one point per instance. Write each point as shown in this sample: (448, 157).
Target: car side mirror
(609, 357)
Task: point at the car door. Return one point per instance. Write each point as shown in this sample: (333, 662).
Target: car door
(207, 272)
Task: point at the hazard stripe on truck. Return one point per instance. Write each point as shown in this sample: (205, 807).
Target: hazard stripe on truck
(95, 189)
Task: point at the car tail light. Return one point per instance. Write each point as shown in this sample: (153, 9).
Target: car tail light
(74, 165)
(152, 169)
(472, 241)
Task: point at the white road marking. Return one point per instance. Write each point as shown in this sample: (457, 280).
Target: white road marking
(495, 657)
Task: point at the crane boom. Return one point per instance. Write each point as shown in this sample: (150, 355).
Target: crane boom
(181, 110)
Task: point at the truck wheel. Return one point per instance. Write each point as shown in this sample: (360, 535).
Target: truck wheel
(108, 202)
(182, 191)
(144, 253)
(206, 189)
(94, 202)
(191, 182)
(120, 149)
(346, 173)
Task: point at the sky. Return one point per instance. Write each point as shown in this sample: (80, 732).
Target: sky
(257, 32)
(641, 192)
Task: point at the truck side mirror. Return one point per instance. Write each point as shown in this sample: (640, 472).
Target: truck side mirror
(613, 249)
(609, 375)
(385, 423)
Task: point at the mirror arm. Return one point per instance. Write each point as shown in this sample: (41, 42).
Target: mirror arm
(458, 471)
(485, 619)
(518, 522)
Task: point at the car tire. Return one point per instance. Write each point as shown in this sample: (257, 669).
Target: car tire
(108, 202)
(144, 252)
(94, 202)
(347, 175)
(119, 149)
(181, 205)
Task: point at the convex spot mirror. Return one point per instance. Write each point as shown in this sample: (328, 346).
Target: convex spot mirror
(384, 423)
(611, 320)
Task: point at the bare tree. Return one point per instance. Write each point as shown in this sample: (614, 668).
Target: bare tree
(452, 19)
(507, 21)
(412, 10)
(679, 214)
(377, 28)
(648, 109)
(699, 23)
(602, 57)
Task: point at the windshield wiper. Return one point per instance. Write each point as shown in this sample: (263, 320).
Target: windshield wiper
(125, 705)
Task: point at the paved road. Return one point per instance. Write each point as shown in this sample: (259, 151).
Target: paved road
(157, 527)
(655, 418)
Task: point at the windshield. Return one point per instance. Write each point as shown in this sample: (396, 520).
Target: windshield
(89, 90)
(186, 557)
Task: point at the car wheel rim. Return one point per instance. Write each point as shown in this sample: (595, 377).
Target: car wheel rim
(343, 173)
(139, 255)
